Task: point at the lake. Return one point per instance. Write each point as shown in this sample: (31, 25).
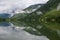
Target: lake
(27, 31)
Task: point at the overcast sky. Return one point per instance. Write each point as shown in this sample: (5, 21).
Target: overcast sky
(10, 4)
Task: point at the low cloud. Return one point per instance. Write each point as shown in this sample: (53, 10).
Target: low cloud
(20, 4)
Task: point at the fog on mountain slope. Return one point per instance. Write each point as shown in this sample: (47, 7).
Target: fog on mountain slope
(11, 6)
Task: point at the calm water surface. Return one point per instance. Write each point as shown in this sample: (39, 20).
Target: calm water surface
(24, 31)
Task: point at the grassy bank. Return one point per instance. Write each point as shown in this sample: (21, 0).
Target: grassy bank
(51, 19)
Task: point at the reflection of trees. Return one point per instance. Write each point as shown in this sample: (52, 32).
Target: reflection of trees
(52, 35)
(32, 25)
(4, 19)
(31, 21)
(35, 29)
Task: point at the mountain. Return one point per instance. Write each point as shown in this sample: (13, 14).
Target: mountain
(48, 6)
(4, 15)
(32, 8)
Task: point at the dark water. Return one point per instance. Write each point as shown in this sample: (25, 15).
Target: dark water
(27, 31)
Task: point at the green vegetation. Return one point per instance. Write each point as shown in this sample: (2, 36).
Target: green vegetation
(4, 19)
(51, 4)
(51, 19)
(47, 23)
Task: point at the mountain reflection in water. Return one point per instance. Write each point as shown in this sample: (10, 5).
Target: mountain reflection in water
(37, 29)
(12, 32)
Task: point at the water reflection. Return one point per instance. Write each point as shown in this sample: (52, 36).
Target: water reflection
(4, 24)
(8, 31)
(37, 29)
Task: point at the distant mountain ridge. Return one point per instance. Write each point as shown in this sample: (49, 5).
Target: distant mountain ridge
(4, 15)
